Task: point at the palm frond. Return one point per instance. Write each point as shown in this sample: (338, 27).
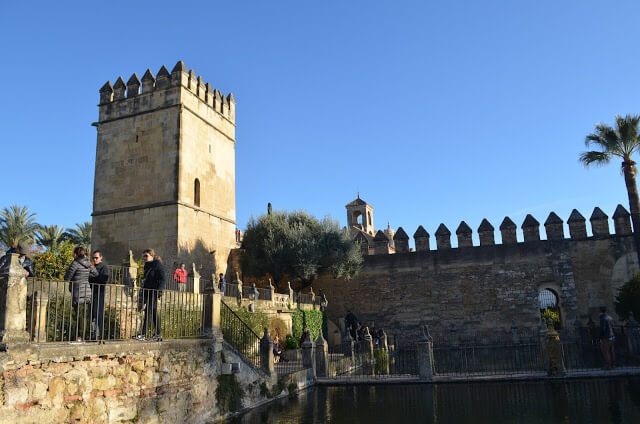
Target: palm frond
(49, 236)
(594, 158)
(17, 224)
(81, 235)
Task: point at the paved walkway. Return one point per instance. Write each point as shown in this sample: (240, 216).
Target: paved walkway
(536, 375)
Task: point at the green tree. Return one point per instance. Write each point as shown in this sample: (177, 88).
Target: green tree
(299, 246)
(81, 235)
(48, 236)
(628, 298)
(620, 142)
(53, 263)
(17, 224)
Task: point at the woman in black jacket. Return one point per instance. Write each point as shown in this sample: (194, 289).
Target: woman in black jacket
(78, 277)
(153, 284)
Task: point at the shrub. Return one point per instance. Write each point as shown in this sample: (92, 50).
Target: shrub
(257, 321)
(553, 315)
(53, 263)
(229, 393)
(382, 361)
(628, 299)
(291, 343)
(314, 320)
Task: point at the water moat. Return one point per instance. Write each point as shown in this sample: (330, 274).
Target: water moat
(597, 401)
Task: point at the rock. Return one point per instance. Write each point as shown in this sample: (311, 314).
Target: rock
(138, 366)
(76, 412)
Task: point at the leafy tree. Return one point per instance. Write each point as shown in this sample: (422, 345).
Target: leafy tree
(17, 224)
(53, 263)
(49, 236)
(620, 142)
(299, 246)
(81, 235)
(628, 298)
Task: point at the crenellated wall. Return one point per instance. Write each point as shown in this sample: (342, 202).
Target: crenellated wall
(480, 292)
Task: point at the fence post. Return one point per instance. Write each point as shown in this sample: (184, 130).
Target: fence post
(425, 355)
(553, 352)
(347, 346)
(368, 346)
(266, 353)
(271, 290)
(308, 349)
(132, 269)
(212, 298)
(313, 298)
(196, 279)
(39, 319)
(238, 284)
(633, 335)
(13, 303)
(384, 344)
(322, 356)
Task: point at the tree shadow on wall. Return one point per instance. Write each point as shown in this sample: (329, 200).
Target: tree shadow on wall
(198, 254)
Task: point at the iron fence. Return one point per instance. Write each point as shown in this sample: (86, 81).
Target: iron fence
(123, 275)
(61, 311)
(585, 353)
(288, 362)
(239, 335)
(474, 359)
(367, 363)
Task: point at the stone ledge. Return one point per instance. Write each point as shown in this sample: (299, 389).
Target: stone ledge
(63, 352)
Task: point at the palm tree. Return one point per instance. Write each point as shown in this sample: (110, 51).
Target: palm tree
(81, 235)
(621, 142)
(17, 224)
(49, 236)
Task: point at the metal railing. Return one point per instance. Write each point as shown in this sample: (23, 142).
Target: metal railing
(585, 353)
(61, 311)
(476, 359)
(239, 335)
(122, 275)
(366, 363)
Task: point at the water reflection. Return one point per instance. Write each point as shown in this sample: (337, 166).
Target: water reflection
(586, 402)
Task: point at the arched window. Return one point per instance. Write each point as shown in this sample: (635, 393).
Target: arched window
(550, 307)
(357, 218)
(196, 192)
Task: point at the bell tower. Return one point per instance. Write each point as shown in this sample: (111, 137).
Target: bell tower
(360, 216)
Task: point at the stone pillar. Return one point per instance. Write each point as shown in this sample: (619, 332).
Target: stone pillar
(554, 228)
(622, 220)
(308, 360)
(13, 303)
(212, 303)
(421, 239)
(266, 354)
(464, 234)
(384, 345)
(508, 231)
(486, 233)
(443, 237)
(196, 279)
(530, 228)
(577, 226)
(290, 292)
(322, 357)
(132, 267)
(633, 335)
(238, 284)
(347, 346)
(39, 316)
(401, 241)
(599, 223)
(553, 353)
(271, 290)
(367, 345)
(425, 356)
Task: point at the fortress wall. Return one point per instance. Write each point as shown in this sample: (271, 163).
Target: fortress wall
(477, 293)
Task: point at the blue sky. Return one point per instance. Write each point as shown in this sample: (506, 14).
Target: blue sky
(434, 111)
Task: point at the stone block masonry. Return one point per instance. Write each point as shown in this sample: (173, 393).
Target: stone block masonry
(165, 170)
(167, 382)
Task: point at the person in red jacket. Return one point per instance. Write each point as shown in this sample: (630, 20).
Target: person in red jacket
(180, 277)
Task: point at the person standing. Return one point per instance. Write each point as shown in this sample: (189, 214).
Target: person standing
(223, 284)
(180, 277)
(22, 249)
(97, 294)
(607, 337)
(152, 286)
(78, 275)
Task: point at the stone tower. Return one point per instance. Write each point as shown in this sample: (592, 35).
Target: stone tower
(165, 170)
(360, 215)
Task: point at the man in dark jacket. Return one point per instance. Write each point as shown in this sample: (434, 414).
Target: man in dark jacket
(25, 261)
(97, 292)
(154, 283)
(607, 337)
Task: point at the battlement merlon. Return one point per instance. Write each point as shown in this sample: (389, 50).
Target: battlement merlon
(530, 229)
(180, 87)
